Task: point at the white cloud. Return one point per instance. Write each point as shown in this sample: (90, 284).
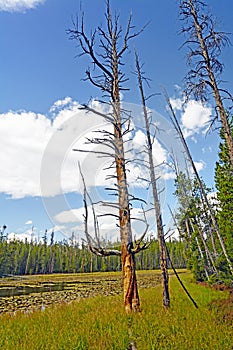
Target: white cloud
(107, 224)
(59, 104)
(73, 215)
(33, 234)
(139, 139)
(199, 166)
(195, 116)
(19, 5)
(27, 235)
(169, 175)
(37, 154)
(137, 170)
(23, 138)
(159, 153)
(29, 222)
(177, 103)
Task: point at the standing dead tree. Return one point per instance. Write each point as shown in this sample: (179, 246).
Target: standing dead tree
(205, 45)
(177, 127)
(106, 58)
(151, 169)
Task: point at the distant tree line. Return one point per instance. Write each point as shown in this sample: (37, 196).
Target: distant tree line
(30, 257)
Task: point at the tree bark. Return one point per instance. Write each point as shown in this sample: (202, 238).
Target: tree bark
(158, 215)
(130, 291)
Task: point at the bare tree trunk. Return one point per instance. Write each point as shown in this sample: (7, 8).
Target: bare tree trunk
(131, 297)
(202, 256)
(158, 215)
(29, 252)
(207, 251)
(188, 229)
(51, 254)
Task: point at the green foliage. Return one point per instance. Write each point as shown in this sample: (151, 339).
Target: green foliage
(203, 249)
(19, 258)
(194, 224)
(224, 185)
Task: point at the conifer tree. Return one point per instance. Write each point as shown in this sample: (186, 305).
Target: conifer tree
(224, 185)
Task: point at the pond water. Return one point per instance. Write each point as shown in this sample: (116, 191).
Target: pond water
(9, 291)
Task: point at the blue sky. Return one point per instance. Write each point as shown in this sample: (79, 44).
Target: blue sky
(41, 88)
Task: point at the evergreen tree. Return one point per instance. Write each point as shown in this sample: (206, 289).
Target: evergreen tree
(193, 222)
(224, 185)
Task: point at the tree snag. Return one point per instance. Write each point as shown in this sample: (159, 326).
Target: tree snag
(158, 214)
(205, 45)
(107, 59)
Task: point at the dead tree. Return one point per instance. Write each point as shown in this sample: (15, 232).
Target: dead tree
(209, 257)
(106, 58)
(205, 199)
(205, 45)
(151, 169)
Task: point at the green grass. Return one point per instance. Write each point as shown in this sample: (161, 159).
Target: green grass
(101, 323)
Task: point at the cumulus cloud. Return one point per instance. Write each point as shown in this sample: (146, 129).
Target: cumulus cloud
(20, 236)
(107, 224)
(24, 140)
(177, 103)
(74, 217)
(139, 139)
(199, 166)
(19, 5)
(38, 157)
(27, 234)
(35, 235)
(195, 117)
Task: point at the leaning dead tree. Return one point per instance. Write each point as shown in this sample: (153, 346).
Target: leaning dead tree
(151, 169)
(205, 45)
(106, 57)
(177, 127)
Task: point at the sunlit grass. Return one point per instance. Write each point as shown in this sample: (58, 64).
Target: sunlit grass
(183, 326)
(101, 323)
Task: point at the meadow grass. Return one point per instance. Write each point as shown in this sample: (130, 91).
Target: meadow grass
(101, 323)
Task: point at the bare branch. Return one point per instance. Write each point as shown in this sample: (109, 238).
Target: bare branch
(140, 244)
(94, 245)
